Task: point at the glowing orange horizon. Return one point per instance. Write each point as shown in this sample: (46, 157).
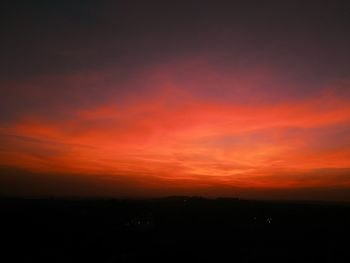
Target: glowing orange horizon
(171, 136)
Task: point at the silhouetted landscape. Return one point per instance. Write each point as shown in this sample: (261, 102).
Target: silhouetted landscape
(174, 229)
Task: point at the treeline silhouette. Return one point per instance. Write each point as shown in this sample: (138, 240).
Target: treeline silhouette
(173, 229)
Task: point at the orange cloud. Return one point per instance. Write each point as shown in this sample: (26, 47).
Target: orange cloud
(176, 138)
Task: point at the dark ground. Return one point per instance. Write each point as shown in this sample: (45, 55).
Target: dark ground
(174, 229)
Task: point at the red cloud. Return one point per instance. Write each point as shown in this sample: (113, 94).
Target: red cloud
(176, 138)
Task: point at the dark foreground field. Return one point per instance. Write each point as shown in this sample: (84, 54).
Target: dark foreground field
(175, 229)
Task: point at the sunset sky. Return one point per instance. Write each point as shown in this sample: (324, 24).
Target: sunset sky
(156, 98)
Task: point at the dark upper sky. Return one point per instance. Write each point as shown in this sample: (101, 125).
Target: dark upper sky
(197, 96)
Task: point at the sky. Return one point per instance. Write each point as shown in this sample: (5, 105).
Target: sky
(157, 98)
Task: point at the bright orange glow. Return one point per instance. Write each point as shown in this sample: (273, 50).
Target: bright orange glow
(172, 137)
